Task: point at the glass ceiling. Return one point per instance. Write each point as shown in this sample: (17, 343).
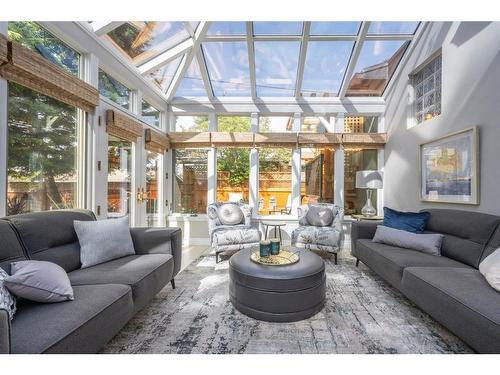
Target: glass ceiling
(264, 59)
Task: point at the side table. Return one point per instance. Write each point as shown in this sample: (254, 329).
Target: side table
(277, 228)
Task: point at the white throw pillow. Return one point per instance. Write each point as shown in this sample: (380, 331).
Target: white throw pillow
(7, 300)
(429, 243)
(103, 240)
(490, 269)
(230, 214)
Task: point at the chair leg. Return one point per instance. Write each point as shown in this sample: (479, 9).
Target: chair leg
(172, 282)
(357, 262)
(335, 255)
(216, 257)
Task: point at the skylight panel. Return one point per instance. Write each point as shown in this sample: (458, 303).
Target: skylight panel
(325, 66)
(164, 75)
(192, 83)
(277, 28)
(376, 65)
(228, 68)
(227, 28)
(276, 67)
(392, 27)
(334, 28)
(141, 41)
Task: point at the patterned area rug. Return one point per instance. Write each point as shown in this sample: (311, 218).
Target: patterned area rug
(363, 314)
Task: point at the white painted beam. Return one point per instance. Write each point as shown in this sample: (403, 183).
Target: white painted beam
(302, 58)
(165, 57)
(296, 156)
(338, 164)
(251, 59)
(354, 58)
(102, 28)
(212, 164)
(200, 58)
(187, 59)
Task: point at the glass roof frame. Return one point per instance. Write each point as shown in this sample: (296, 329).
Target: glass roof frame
(191, 50)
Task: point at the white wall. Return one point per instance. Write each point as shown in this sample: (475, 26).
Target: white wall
(470, 96)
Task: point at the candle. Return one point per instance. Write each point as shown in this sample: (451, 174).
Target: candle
(275, 246)
(264, 248)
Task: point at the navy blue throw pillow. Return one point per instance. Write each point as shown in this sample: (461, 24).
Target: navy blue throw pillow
(414, 222)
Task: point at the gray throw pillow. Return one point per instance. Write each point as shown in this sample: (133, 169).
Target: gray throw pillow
(103, 240)
(490, 269)
(230, 214)
(319, 216)
(425, 243)
(39, 281)
(7, 300)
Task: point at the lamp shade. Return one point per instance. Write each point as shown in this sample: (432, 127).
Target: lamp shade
(369, 180)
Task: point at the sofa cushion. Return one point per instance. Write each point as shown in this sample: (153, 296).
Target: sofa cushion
(490, 269)
(460, 299)
(414, 222)
(83, 325)
(230, 214)
(241, 234)
(465, 233)
(426, 243)
(103, 240)
(50, 235)
(492, 245)
(326, 236)
(390, 261)
(10, 247)
(146, 274)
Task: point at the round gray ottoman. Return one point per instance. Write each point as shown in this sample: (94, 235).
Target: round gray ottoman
(277, 293)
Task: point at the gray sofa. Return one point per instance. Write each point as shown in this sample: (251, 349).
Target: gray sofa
(448, 287)
(106, 295)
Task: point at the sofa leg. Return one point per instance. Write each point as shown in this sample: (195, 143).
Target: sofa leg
(357, 262)
(173, 283)
(216, 258)
(335, 255)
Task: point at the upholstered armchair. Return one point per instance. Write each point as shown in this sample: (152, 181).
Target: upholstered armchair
(320, 228)
(230, 228)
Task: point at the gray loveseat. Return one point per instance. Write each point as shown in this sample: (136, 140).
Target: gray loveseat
(448, 287)
(106, 295)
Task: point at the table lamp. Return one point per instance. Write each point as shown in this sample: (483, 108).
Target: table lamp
(369, 180)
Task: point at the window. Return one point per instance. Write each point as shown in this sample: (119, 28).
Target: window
(427, 90)
(316, 167)
(150, 114)
(192, 83)
(312, 124)
(163, 76)
(42, 152)
(277, 28)
(233, 124)
(191, 124)
(357, 160)
(335, 28)
(275, 181)
(153, 189)
(276, 124)
(227, 28)
(190, 182)
(360, 124)
(119, 176)
(233, 172)
(114, 90)
(34, 37)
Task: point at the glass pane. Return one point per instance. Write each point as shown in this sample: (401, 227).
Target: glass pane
(276, 67)
(275, 181)
(227, 28)
(277, 28)
(114, 90)
(311, 124)
(164, 75)
(192, 83)
(233, 124)
(194, 24)
(190, 184)
(360, 124)
(227, 64)
(392, 27)
(42, 149)
(233, 171)
(275, 124)
(34, 37)
(356, 161)
(150, 115)
(119, 177)
(153, 189)
(191, 124)
(334, 28)
(376, 64)
(316, 168)
(140, 41)
(324, 68)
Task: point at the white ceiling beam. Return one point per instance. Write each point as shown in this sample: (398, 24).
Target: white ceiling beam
(165, 57)
(200, 58)
(354, 58)
(251, 59)
(187, 59)
(298, 38)
(102, 28)
(390, 37)
(302, 59)
(189, 29)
